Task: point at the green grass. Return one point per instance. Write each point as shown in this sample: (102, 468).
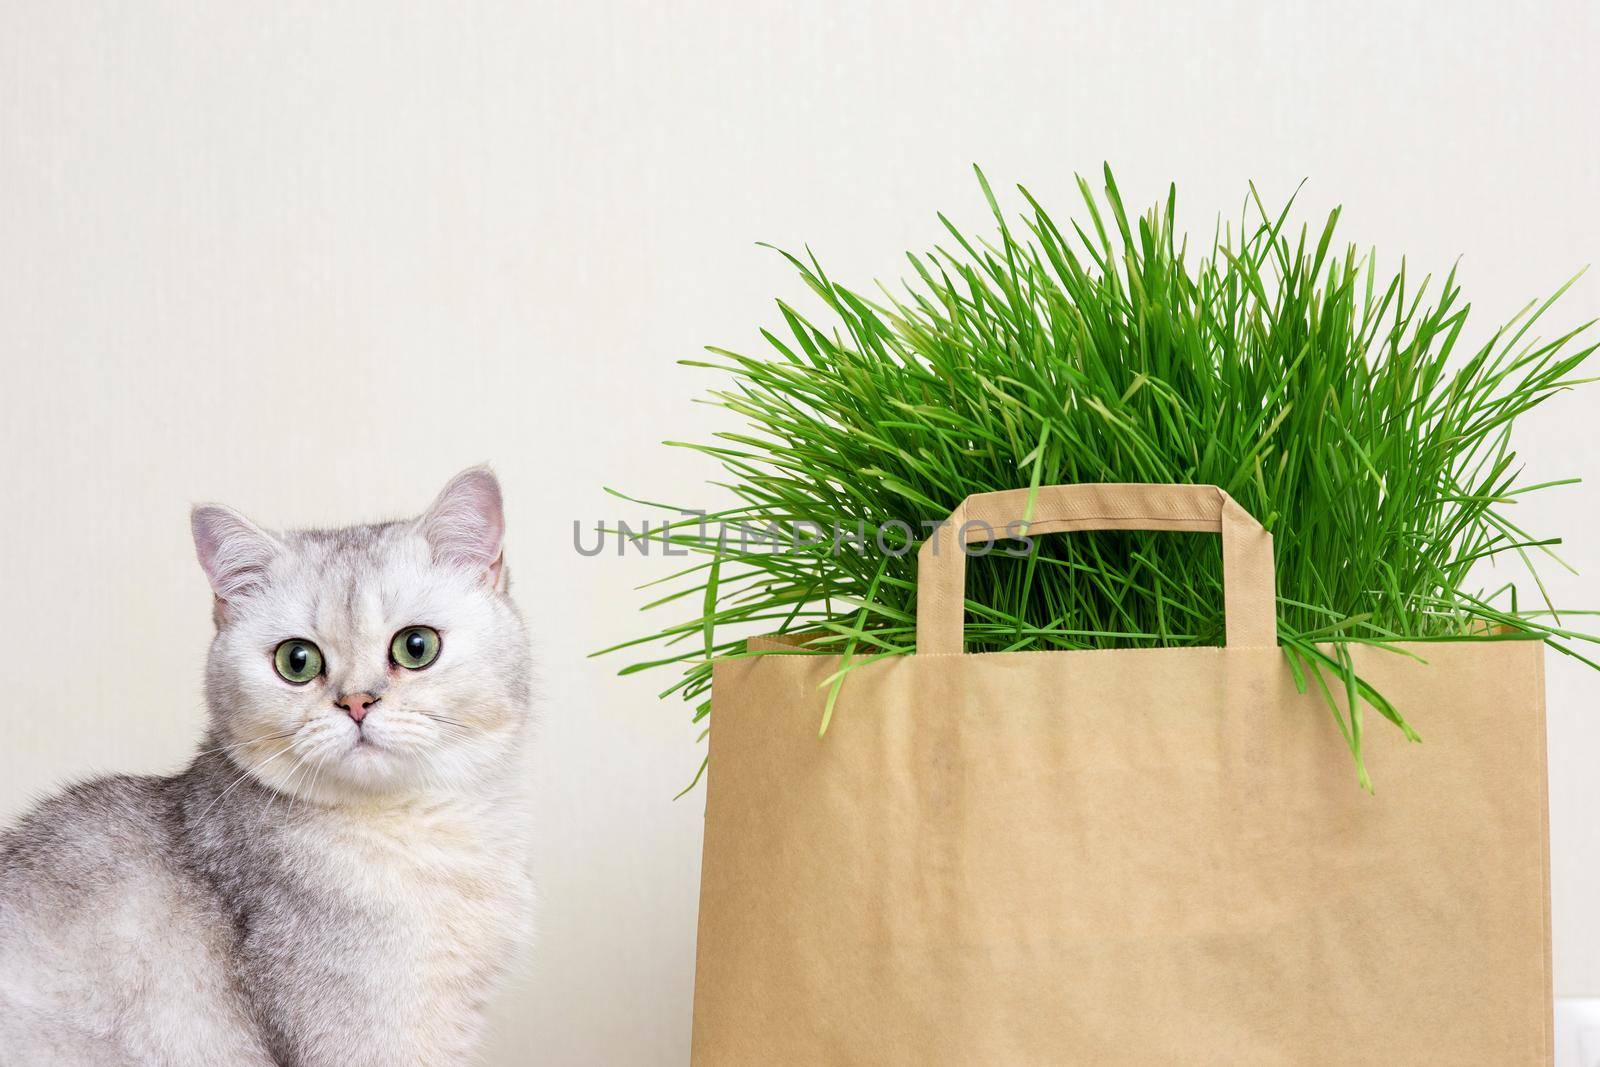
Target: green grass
(1334, 401)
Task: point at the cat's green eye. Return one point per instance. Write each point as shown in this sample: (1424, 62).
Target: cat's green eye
(415, 647)
(298, 661)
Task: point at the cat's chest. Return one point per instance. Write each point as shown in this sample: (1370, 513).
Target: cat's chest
(398, 928)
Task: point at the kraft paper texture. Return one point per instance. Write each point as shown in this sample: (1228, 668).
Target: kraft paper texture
(1150, 856)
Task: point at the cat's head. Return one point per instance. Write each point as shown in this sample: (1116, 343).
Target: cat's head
(368, 661)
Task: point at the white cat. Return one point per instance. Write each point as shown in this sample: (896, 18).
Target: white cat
(337, 879)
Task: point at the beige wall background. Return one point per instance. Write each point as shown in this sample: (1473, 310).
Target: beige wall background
(312, 258)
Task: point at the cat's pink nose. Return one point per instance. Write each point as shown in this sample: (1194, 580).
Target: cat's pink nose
(356, 705)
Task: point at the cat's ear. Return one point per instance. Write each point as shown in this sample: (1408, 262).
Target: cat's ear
(234, 552)
(466, 526)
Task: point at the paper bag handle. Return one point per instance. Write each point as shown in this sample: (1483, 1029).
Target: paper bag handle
(1248, 581)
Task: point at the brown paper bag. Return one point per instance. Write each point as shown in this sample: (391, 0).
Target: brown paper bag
(1126, 856)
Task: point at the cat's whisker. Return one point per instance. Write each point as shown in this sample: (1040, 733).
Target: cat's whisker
(311, 792)
(279, 736)
(318, 761)
(447, 720)
(242, 776)
(300, 763)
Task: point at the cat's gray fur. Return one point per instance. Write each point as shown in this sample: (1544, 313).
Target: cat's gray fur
(351, 906)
